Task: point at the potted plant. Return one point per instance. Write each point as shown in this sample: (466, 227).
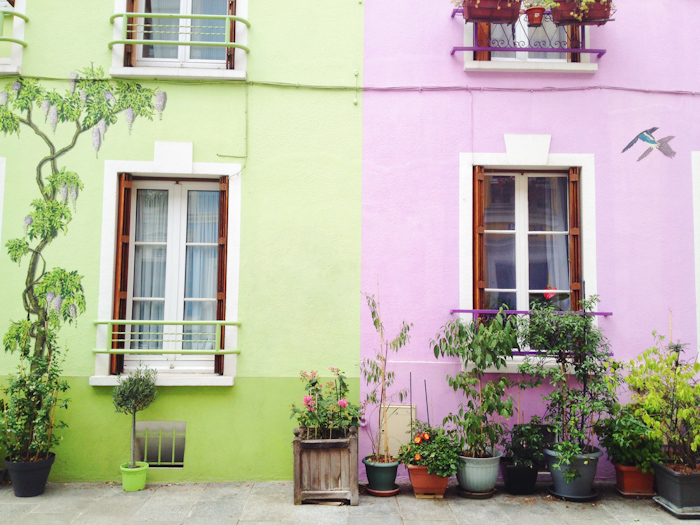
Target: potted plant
(380, 466)
(480, 345)
(325, 443)
(431, 459)
(632, 450)
(524, 456)
(535, 10)
(493, 11)
(132, 394)
(565, 12)
(667, 389)
(582, 390)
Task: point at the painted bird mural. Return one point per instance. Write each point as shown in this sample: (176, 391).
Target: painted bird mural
(648, 138)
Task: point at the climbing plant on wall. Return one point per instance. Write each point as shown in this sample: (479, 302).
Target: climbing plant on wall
(53, 297)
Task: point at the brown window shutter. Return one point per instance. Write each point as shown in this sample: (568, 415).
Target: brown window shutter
(121, 271)
(221, 275)
(478, 250)
(230, 51)
(573, 37)
(576, 275)
(129, 49)
(483, 39)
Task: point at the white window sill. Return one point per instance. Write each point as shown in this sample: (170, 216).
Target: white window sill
(176, 72)
(10, 70)
(513, 364)
(172, 380)
(532, 67)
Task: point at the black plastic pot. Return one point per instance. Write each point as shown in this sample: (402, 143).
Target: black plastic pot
(518, 480)
(29, 478)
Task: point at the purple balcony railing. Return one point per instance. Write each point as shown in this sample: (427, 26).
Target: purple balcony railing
(546, 41)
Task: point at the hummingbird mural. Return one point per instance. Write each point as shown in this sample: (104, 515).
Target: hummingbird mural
(648, 138)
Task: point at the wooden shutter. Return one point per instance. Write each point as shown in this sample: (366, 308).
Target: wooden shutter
(573, 41)
(575, 273)
(483, 39)
(221, 274)
(121, 271)
(130, 49)
(231, 51)
(479, 270)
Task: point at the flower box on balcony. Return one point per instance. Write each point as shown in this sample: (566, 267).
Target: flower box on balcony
(493, 11)
(571, 12)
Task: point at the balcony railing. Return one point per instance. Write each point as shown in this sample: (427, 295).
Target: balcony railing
(544, 40)
(138, 28)
(142, 340)
(8, 13)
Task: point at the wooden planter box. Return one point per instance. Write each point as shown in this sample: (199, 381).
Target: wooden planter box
(325, 469)
(494, 11)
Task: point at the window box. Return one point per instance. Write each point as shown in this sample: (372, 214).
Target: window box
(596, 13)
(495, 11)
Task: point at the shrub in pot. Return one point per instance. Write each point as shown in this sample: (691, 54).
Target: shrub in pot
(325, 444)
(665, 385)
(380, 466)
(132, 394)
(631, 448)
(431, 458)
(524, 456)
(583, 386)
(479, 422)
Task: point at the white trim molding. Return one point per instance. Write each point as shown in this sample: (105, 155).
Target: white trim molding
(3, 164)
(12, 65)
(695, 168)
(170, 159)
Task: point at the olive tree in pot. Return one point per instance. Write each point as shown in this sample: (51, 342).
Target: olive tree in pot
(480, 345)
(582, 390)
(132, 394)
(380, 466)
(667, 389)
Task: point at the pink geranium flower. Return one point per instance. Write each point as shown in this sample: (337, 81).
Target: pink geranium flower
(343, 403)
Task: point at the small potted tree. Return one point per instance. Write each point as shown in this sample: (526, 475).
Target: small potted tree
(524, 456)
(132, 394)
(582, 391)
(431, 459)
(632, 449)
(479, 423)
(380, 466)
(667, 389)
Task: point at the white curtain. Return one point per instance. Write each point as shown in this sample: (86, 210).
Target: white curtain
(161, 28)
(208, 30)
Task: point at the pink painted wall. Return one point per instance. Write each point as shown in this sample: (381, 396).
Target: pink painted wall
(412, 141)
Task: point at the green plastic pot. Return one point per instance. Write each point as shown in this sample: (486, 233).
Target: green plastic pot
(381, 477)
(134, 479)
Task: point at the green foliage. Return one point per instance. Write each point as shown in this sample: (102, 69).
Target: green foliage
(480, 421)
(580, 350)
(135, 392)
(431, 447)
(16, 249)
(667, 391)
(524, 444)
(48, 219)
(326, 411)
(61, 293)
(379, 379)
(627, 439)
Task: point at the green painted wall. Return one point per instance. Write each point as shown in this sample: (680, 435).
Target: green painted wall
(299, 301)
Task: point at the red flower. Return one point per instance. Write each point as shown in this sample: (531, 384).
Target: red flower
(417, 457)
(426, 436)
(417, 439)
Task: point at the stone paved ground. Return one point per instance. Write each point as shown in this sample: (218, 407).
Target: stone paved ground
(271, 502)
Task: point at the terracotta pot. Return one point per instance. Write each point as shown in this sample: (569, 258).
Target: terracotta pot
(633, 482)
(535, 15)
(494, 11)
(426, 485)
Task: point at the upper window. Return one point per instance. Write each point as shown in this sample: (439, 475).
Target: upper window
(526, 239)
(12, 44)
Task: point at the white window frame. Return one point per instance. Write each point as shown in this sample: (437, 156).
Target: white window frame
(171, 159)
(174, 68)
(529, 153)
(524, 56)
(12, 65)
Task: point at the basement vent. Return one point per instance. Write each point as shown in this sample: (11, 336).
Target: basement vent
(161, 443)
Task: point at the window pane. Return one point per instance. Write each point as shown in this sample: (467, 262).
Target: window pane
(208, 30)
(161, 28)
(500, 260)
(146, 336)
(547, 36)
(199, 337)
(203, 216)
(494, 300)
(549, 261)
(547, 204)
(562, 301)
(151, 216)
(201, 272)
(502, 35)
(499, 212)
(149, 271)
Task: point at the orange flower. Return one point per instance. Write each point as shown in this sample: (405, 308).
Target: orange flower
(409, 448)
(417, 440)
(417, 457)
(426, 436)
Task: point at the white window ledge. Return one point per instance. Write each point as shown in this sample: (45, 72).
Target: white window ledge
(10, 70)
(532, 67)
(172, 380)
(513, 364)
(176, 72)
